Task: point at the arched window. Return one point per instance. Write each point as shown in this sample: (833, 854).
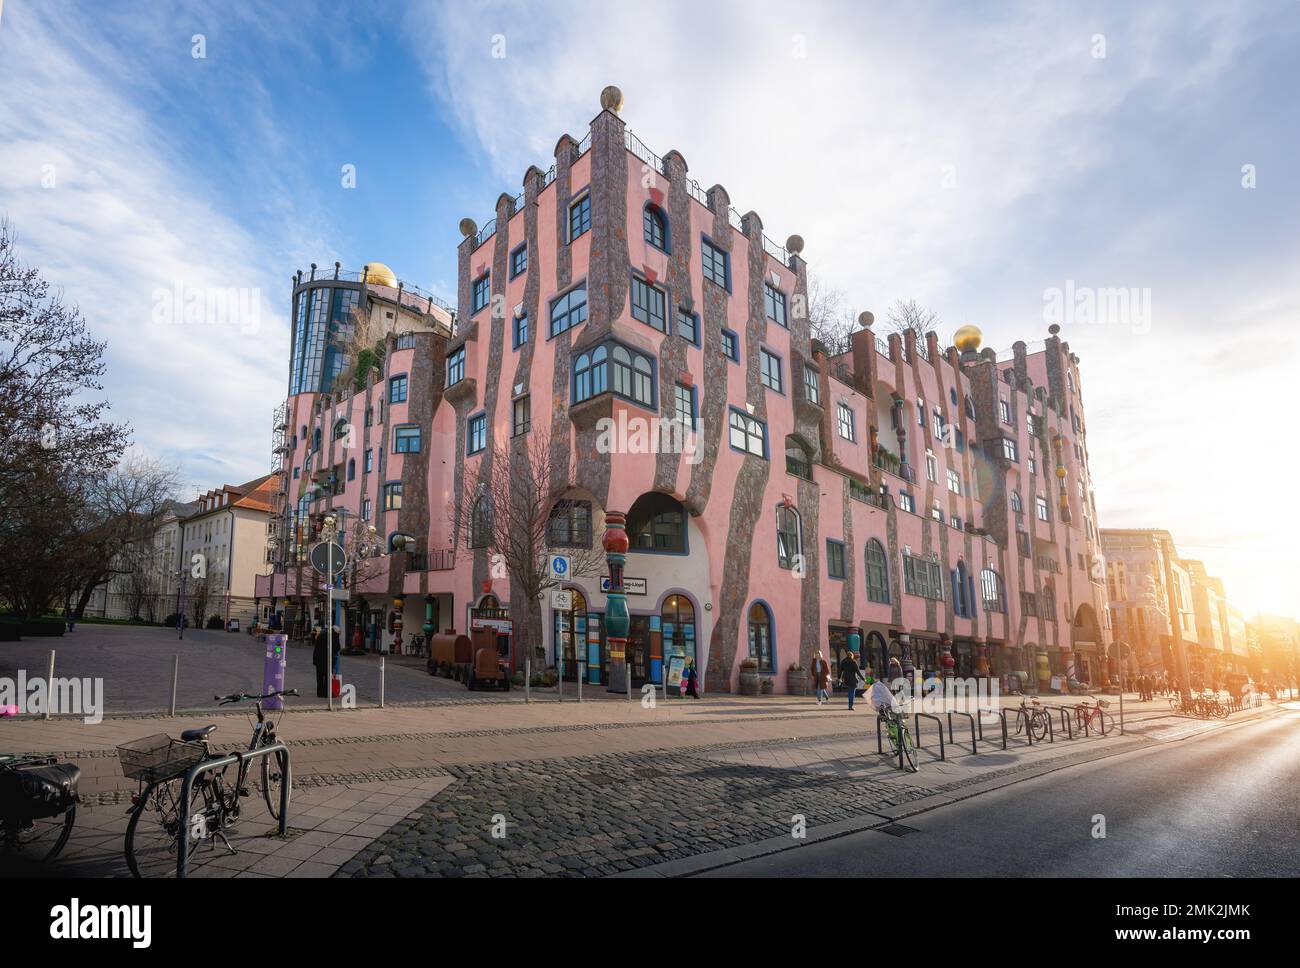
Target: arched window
(315, 439)
(656, 227)
(789, 537)
(643, 382)
(877, 573)
(340, 427)
(582, 378)
(797, 459)
(963, 591)
(760, 636)
(622, 360)
(1016, 504)
(678, 624)
(352, 468)
(657, 522)
(480, 523)
(599, 382)
(991, 590)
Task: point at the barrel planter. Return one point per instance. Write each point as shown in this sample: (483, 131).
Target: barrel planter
(749, 680)
(797, 682)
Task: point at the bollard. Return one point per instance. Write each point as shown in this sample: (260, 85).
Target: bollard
(528, 679)
(381, 682)
(49, 688)
(582, 671)
(176, 668)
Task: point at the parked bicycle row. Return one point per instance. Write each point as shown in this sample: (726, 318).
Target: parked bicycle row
(189, 794)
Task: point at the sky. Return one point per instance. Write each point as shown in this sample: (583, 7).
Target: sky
(982, 159)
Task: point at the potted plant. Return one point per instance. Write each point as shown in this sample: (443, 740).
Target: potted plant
(767, 686)
(749, 678)
(796, 679)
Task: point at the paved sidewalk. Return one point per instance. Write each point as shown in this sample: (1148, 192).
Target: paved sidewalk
(589, 788)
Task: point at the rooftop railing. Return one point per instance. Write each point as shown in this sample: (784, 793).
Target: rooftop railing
(412, 296)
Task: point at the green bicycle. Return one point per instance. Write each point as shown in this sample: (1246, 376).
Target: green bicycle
(900, 737)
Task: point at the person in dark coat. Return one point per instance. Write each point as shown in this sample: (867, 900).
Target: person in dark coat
(849, 672)
(692, 680)
(319, 659)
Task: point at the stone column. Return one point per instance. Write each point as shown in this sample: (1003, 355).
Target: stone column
(617, 620)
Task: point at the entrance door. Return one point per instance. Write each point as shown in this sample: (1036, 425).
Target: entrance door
(638, 649)
(571, 636)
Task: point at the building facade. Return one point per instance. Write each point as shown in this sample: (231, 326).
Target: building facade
(146, 573)
(229, 529)
(913, 501)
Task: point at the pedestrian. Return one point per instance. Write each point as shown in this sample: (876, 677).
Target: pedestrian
(319, 660)
(821, 673)
(692, 680)
(849, 675)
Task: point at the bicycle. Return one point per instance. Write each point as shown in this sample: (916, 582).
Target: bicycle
(154, 834)
(38, 807)
(899, 736)
(1088, 717)
(1033, 718)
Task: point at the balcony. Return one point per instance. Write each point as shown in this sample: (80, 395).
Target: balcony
(441, 560)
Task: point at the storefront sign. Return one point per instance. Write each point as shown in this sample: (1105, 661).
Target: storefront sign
(561, 600)
(502, 625)
(631, 586)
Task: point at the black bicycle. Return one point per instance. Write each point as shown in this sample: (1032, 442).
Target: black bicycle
(38, 807)
(159, 762)
(1033, 716)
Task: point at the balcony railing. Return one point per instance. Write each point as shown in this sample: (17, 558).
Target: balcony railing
(442, 559)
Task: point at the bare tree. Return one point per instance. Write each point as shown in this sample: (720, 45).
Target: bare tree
(909, 316)
(199, 593)
(831, 319)
(520, 514)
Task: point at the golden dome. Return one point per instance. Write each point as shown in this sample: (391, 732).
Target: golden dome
(967, 339)
(378, 274)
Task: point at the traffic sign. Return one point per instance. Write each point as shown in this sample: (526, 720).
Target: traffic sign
(562, 600)
(559, 566)
(321, 558)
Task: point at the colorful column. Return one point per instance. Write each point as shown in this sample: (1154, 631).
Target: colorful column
(617, 621)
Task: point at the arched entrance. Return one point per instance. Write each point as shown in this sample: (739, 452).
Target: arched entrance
(570, 635)
(1086, 640)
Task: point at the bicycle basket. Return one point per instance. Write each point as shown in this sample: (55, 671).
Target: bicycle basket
(158, 757)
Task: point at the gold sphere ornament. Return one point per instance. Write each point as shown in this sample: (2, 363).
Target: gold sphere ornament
(468, 228)
(794, 244)
(967, 339)
(1060, 471)
(378, 274)
(611, 99)
(866, 318)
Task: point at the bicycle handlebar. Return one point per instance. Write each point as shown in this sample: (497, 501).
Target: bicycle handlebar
(241, 696)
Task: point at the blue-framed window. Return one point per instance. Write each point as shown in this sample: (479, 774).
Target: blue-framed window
(406, 440)
(569, 310)
(774, 304)
(519, 260)
(716, 264)
(397, 389)
(656, 227)
(590, 374)
(963, 591)
(580, 217)
(760, 637)
(835, 559)
(906, 501)
(731, 345)
(649, 304)
(747, 434)
(632, 375)
(684, 405)
(688, 326)
(769, 370)
(789, 536)
(520, 334)
(476, 434)
(481, 292)
(295, 472)
(352, 468)
(456, 366)
(370, 460)
(812, 387)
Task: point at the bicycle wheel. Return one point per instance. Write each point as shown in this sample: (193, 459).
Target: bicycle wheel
(154, 830)
(1038, 727)
(275, 774)
(36, 841)
(909, 751)
(1221, 710)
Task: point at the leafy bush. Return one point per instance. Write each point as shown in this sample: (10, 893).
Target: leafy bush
(44, 626)
(215, 622)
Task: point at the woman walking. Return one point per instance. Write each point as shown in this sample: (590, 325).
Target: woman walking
(692, 680)
(849, 675)
(821, 675)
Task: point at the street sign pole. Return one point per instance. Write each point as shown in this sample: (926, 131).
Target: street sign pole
(329, 631)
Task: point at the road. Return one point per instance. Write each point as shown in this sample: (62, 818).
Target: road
(1220, 805)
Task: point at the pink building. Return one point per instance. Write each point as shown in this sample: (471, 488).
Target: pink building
(927, 503)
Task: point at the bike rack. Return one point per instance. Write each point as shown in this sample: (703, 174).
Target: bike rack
(1067, 726)
(916, 723)
(1019, 714)
(221, 762)
(957, 712)
(880, 721)
(1000, 717)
